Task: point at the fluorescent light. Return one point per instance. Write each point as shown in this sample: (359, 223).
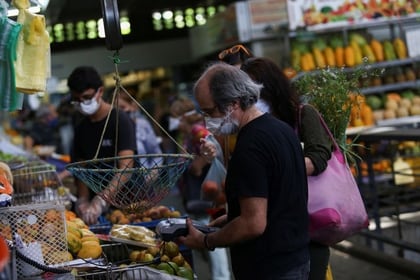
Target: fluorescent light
(14, 12)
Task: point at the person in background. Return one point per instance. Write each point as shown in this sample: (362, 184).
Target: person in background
(86, 88)
(44, 130)
(266, 225)
(191, 127)
(68, 117)
(146, 139)
(235, 55)
(281, 100)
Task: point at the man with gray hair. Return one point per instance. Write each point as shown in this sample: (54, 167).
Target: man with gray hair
(266, 226)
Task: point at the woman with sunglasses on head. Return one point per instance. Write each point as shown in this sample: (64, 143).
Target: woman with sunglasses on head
(279, 98)
(235, 55)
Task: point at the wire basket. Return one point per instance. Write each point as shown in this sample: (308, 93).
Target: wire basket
(38, 232)
(143, 181)
(35, 182)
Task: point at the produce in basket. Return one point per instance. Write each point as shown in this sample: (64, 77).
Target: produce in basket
(171, 259)
(82, 243)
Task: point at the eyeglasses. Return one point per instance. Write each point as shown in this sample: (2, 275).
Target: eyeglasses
(83, 98)
(233, 50)
(207, 112)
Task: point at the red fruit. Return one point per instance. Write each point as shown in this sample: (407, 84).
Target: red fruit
(221, 198)
(210, 188)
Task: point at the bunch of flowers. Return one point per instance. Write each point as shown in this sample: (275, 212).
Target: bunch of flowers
(334, 91)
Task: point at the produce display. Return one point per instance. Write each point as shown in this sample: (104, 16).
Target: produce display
(333, 51)
(82, 243)
(145, 248)
(374, 108)
(171, 260)
(155, 213)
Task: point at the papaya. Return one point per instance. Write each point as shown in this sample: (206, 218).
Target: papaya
(400, 48)
(74, 230)
(295, 59)
(329, 56)
(339, 56)
(389, 52)
(366, 114)
(358, 39)
(349, 58)
(74, 243)
(377, 49)
(319, 58)
(89, 238)
(90, 249)
(307, 62)
(358, 56)
(368, 53)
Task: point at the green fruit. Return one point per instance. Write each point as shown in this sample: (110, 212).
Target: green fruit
(167, 267)
(185, 273)
(374, 102)
(174, 266)
(408, 94)
(171, 249)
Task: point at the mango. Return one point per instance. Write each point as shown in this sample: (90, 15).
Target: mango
(90, 249)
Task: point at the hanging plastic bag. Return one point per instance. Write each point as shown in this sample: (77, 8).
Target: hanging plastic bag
(212, 187)
(214, 182)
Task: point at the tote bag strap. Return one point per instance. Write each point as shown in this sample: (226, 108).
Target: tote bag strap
(337, 149)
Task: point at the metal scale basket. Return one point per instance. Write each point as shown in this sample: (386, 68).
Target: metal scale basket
(131, 183)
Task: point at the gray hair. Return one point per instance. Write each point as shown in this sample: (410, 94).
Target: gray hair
(228, 84)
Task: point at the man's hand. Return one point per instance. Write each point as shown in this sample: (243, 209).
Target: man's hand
(194, 239)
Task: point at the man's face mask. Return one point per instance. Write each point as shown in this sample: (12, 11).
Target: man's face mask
(89, 107)
(222, 125)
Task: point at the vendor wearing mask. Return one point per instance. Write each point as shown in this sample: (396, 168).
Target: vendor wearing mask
(86, 88)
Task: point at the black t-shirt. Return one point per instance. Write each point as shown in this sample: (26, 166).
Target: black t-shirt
(268, 162)
(87, 136)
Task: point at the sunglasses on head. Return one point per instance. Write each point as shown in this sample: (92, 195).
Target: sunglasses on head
(233, 50)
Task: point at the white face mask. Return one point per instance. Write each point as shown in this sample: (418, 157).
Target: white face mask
(174, 123)
(224, 125)
(263, 106)
(89, 107)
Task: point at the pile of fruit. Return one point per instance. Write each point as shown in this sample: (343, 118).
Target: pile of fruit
(373, 108)
(170, 259)
(82, 243)
(154, 213)
(333, 52)
(394, 105)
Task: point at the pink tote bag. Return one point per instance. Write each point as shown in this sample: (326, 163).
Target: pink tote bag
(336, 208)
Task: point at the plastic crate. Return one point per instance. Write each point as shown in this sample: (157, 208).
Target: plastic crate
(38, 233)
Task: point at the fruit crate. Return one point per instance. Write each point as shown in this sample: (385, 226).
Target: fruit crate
(35, 182)
(128, 272)
(38, 235)
(117, 265)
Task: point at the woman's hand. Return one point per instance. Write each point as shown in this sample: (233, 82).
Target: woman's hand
(207, 150)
